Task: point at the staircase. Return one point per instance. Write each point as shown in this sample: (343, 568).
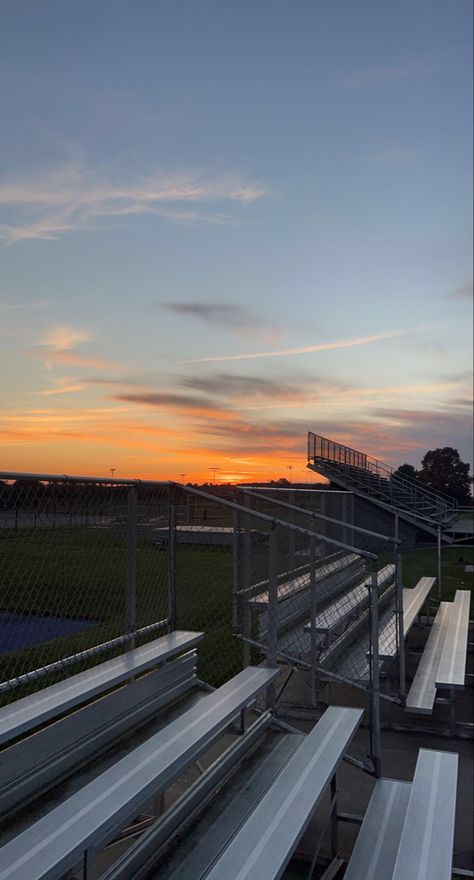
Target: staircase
(378, 482)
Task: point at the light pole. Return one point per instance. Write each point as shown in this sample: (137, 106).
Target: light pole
(112, 471)
(214, 469)
(290, 468)
(182, 477)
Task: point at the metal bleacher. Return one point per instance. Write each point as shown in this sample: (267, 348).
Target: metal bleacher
(243, 816)
(381, 484)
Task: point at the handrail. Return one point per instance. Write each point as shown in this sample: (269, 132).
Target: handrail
(315, 514)
(330, 450)
(275, 521)
(65, 478)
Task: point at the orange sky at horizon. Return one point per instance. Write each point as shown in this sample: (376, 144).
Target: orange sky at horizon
(93, 441)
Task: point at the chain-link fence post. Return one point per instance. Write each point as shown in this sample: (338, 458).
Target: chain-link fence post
(400, 627)
(247, 566)
(291, 537)
(439, 564)
(131, 577)
(172, 625)
(272, 637)
(235, 569)
(312, 587)
(374, 674)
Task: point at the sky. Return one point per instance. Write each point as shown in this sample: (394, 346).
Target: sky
(225, 223)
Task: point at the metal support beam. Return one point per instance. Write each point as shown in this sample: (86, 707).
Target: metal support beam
(131, 577)
(375, 675)
(172, 605)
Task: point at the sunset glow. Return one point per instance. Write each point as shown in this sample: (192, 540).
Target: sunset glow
(218, 233)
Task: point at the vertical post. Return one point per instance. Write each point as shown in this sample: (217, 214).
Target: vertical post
(272, 633)
(247, 564)
(400, 627)
(375, 674)
(439, 564)
(344, 517)
(334, 822)
(291, 537)
(172, 614)
(235, 569)
(322, 510)
(131, 582)
(312, 588)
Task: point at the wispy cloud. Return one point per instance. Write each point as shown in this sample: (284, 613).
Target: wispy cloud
(376, 76)
(227, 315)
(26, 306)
(66, 388)
(307, 349)
(462, 291)
(232, 385)
(164, 399)
(62, 337)
(58, 347)
(73, 196)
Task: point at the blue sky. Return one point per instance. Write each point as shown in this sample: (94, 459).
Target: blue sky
(187, 188)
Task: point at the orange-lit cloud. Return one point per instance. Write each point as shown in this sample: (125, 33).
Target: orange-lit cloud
(58, 347)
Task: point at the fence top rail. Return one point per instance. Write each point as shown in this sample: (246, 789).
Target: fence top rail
(315, 515)
(274, 521)
(312, 487)
(66, 478)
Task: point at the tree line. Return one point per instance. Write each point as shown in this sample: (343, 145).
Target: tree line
(443, 471)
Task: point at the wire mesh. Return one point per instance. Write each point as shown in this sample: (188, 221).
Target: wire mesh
(76, 572)
(88, 568)
(323, 609)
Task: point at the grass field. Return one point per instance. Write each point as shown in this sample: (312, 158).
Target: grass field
(81, 573)
(420, 563)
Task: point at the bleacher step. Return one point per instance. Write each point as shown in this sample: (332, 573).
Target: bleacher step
(376, 847)
(198, 848)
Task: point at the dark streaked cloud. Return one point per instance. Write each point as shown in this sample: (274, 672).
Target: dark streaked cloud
(233, 385)
(227, 315)
(165, 399)
(462, 291)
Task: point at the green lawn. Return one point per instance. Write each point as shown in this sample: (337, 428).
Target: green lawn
(81, 573)
(420, 563)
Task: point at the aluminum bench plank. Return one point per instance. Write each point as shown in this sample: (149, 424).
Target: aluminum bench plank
(344, 605)
(422, 693)
(288, 588)
(414, 599)
(266, 841)
(232, 807)
(35, 709)
(376, 847)
(426, 843)
(335, 613)
(54, 844)
(452, 666)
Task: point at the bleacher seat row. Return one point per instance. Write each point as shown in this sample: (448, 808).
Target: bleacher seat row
(249, 822)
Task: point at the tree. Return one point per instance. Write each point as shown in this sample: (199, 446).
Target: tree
(443, 470)
(406, 470)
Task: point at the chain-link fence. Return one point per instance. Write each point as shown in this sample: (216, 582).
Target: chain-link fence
(80, 574)
(323, 611)
(93, 567)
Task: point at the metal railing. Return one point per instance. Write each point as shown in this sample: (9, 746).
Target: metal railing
(381, 479)
(90, 567)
